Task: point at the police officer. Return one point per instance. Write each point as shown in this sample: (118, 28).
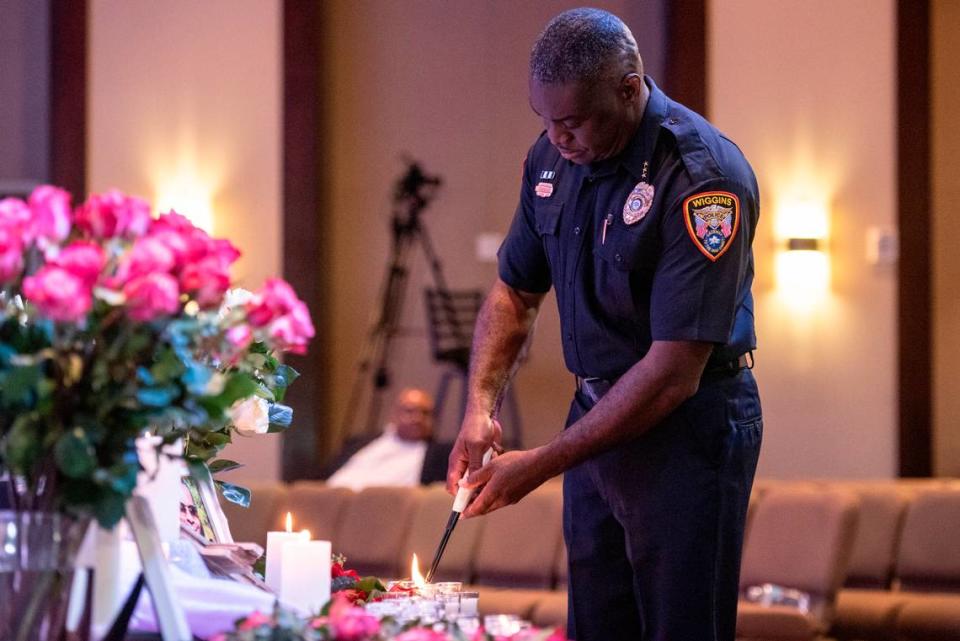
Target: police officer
(641, 215)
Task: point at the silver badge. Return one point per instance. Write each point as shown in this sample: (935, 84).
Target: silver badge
(638, 203)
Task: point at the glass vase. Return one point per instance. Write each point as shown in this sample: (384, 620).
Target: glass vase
(38, 553)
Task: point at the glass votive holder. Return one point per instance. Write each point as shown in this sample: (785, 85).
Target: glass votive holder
(447, 587)
(469, 604)
(427, 611)
(468, 625)
(401, 585)
(449, 605)
(502, 625)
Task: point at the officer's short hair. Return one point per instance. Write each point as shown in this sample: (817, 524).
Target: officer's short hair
(582, 45)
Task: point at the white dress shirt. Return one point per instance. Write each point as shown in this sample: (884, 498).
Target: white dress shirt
(386, 460)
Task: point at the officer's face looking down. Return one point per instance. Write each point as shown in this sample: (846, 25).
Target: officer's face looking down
(588, 122)
(413, 415)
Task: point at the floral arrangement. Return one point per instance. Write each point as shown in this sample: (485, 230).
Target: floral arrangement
(113, 322)
(345, 621)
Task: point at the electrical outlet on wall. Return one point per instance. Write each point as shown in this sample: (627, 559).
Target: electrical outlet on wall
(883, 246)
(486, 245)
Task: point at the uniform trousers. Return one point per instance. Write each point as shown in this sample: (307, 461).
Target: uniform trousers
(654, 528)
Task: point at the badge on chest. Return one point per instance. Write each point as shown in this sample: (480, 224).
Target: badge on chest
(638, 203)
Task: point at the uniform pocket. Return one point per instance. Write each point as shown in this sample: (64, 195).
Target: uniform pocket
(547, 216)
(625, 264)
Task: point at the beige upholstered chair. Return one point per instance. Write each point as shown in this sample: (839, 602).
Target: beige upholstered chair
(429, 518)
(373, 527)
(799, 538)
(928, 567)
(315, 506)
(520, 543)
(866, 609)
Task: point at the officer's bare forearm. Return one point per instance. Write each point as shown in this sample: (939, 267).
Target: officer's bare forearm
(644, 396)
(502, 326)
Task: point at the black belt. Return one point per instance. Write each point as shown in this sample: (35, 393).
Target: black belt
(595, 388)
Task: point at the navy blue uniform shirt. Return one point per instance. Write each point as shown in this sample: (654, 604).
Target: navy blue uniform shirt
(682, 271)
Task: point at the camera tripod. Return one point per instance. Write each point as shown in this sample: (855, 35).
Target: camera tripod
(451, 314)
(412, 194)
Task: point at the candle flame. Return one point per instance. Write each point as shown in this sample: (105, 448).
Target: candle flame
(289, 522)
(415, 575)
(305, 534)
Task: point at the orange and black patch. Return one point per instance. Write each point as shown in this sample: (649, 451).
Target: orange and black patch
(712, 218)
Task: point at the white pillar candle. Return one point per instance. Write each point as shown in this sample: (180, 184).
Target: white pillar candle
(275, 543)
(305, 575)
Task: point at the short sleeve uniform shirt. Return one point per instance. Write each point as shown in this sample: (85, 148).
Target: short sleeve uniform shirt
(654, 244)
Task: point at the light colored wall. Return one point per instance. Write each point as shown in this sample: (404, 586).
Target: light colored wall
(184, 108)
(450, 89)
(945, 167)
(807, 89)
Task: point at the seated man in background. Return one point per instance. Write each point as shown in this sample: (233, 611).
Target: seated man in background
(405, 454)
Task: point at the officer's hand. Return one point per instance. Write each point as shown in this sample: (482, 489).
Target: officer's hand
(505, 480)
(478, 433)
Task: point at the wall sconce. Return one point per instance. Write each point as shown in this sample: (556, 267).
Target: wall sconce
(803, 244)
(802, 261)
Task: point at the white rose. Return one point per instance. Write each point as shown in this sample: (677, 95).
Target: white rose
(234, 298)
(250, 416)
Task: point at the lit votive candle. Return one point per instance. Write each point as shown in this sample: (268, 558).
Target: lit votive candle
(305, 575)
(275, 543)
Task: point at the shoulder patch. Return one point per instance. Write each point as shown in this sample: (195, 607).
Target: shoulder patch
(712, 218)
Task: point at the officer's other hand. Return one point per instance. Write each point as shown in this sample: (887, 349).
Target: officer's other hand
(478, 433)
(505, 480)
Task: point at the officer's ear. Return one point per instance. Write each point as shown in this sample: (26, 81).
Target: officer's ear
(630, 86)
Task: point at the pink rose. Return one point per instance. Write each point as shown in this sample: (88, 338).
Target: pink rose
(51, 213)
(148, 255)
(274, 300)
(293, 330)
(189, 242)
(174, 222)
(58, 294)
(354, 624)
(421, 634)
(557, 635)
(223, 251)
(239, 336)
(11, 254)
(207, 281)
(152, 295)
(83, 259)
(254, 621)
(114, 214)
(15, 217)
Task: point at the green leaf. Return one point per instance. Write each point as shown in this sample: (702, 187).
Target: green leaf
(18, 385)
(234, 493)
(238, 386)
(223, 465)
(24, 443)
(280, 417)
(370, 583)
(283, 378)
(109, 509)
(217, 439)
(167, 367)
(157, 396)
(75, 455)
(196, 377)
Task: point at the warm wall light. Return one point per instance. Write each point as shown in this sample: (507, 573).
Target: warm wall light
(802, 262)
(803, 244)
(186, 194)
